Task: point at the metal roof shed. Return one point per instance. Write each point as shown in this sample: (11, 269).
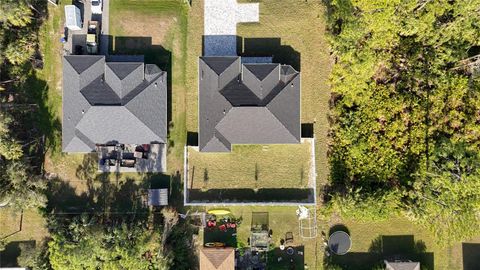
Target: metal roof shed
(158, 197)
(73, 18)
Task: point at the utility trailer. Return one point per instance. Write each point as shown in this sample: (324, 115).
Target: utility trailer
(73, 18)
(93, 37)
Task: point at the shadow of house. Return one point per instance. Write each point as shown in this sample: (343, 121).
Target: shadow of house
(307, 130)
(231, 45)
(9, 256)
(153, 54)
(221, 45)
(192, 138)
(471, 256)
(391, 248)
(245, 195)
(284, 54)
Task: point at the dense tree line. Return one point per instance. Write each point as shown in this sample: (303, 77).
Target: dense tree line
(21, 186)
(87, 244)
(406, 112)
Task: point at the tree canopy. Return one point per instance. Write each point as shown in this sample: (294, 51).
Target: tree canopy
(87, 244)
(401, 98)
(20, 189)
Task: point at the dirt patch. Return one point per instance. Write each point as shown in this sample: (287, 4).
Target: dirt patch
(145, 26)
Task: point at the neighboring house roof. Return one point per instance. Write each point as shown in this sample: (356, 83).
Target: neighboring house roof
(217, 258)
(249, 103)
(112, 102)
(402, 265)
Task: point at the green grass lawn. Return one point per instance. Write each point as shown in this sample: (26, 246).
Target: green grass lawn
(251, 166)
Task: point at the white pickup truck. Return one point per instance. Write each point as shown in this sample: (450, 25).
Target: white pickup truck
(96, 6)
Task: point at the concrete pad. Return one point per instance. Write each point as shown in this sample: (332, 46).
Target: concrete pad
(247, 13)
(220, 21)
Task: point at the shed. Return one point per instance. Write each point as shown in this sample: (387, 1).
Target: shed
(73, 18)
(158, 197)
(217, 258)
(402, 265)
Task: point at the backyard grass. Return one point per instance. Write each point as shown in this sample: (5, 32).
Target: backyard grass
(251, 166)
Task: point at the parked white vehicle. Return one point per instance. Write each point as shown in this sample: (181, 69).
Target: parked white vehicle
(96, 6)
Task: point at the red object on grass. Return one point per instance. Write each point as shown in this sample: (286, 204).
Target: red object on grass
(211, 223)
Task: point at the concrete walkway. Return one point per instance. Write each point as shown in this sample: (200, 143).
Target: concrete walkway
(220, 25)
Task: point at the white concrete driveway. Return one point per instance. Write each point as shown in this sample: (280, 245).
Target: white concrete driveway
(220, 25)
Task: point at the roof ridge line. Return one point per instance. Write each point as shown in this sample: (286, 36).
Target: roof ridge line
(154, 133)
(148, 84)
(225, 68)
(276, 118)
(88, 143)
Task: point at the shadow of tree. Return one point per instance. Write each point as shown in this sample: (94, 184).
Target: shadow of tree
(89, 167)
(108, 200)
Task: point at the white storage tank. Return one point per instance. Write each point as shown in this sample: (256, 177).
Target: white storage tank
(73, 18)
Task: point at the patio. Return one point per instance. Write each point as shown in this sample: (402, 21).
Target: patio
(132, 158)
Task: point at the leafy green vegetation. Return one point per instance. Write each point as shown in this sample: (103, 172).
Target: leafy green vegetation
(84, 244)
(20, 142)
(405, 119)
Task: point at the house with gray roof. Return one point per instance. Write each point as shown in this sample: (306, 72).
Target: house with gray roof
(247, 103)
(112, 103)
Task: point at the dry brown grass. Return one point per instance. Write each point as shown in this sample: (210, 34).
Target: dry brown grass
(156, 27)
(33, 226)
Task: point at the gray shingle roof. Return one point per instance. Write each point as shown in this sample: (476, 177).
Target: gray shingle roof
(247, 103)
(112, 102)
(402, 265)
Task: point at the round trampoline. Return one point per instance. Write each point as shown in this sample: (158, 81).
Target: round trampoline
(339, 242)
